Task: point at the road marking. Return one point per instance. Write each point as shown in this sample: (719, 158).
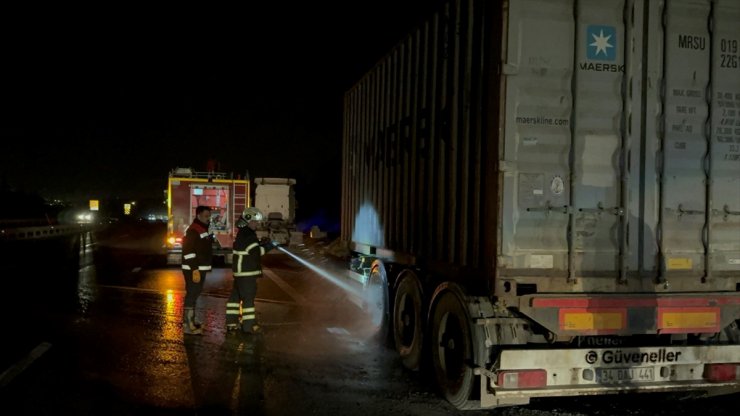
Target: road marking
(338, 331)
(285, 287)
(16, 369)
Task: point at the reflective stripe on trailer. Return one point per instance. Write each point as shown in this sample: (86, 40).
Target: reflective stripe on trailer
(633, 314)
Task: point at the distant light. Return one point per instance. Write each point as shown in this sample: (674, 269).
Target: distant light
(126, 209)
(94, 205)
(85, 217)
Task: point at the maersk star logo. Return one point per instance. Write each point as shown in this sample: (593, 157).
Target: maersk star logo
(602, 43)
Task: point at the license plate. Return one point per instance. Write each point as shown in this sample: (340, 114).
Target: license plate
(625, 375)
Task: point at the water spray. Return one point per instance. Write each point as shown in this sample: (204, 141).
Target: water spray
(336, 280)
(372, 300)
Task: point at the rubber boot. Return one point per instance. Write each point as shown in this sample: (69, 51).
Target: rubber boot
(251, 329)
(196, 323)
(188, 324)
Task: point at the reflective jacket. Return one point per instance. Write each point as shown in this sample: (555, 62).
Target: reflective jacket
(248, 252)
(197, 247)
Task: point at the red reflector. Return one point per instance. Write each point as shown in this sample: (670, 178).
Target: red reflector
(720, 372)
(522, 379)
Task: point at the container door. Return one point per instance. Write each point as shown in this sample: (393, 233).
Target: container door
(538, 70)
(564, 199)
(724, 231)
(683, 197)
(598, 154)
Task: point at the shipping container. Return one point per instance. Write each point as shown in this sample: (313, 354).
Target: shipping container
(547, 196)
(226, 194)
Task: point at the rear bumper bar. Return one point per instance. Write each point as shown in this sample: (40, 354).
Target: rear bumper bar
(576, 372)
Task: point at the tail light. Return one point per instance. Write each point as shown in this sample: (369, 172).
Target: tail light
(721, 372)
(522, 379)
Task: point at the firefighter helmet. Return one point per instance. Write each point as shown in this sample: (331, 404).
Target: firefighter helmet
(252, 214)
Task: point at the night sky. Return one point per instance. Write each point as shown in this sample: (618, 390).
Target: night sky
(126, 95)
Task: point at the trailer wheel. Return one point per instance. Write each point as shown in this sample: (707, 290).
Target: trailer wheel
(407, 321)
(452, 350)
(376, 303)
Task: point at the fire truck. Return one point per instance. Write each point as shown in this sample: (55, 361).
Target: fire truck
(225, 193)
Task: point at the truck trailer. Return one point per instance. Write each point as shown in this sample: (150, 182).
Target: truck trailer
(545, 195)
(225, 193)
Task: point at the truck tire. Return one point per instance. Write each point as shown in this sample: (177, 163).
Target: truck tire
(408, 321)
(452, 350)
(377, 304)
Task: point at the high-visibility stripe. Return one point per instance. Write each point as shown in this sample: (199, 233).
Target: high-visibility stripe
(204, 267)
(249, 317)
(232, 304)
(203, 235)
(189, 256)
(185, 267)
(232, 312)
(635, 302)
(249, 310)
(254, 273)
(239, 263)
(262, 251)
(240, 252)
(251, 246)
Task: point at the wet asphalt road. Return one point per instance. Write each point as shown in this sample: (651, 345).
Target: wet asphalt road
(105, 338)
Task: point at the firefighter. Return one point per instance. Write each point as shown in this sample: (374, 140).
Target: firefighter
(247, 267)
(197, 254)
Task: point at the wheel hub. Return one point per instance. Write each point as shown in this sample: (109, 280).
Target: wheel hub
(448, 342)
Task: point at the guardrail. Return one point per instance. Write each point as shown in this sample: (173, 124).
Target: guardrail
(26, 222)
(39, 232)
